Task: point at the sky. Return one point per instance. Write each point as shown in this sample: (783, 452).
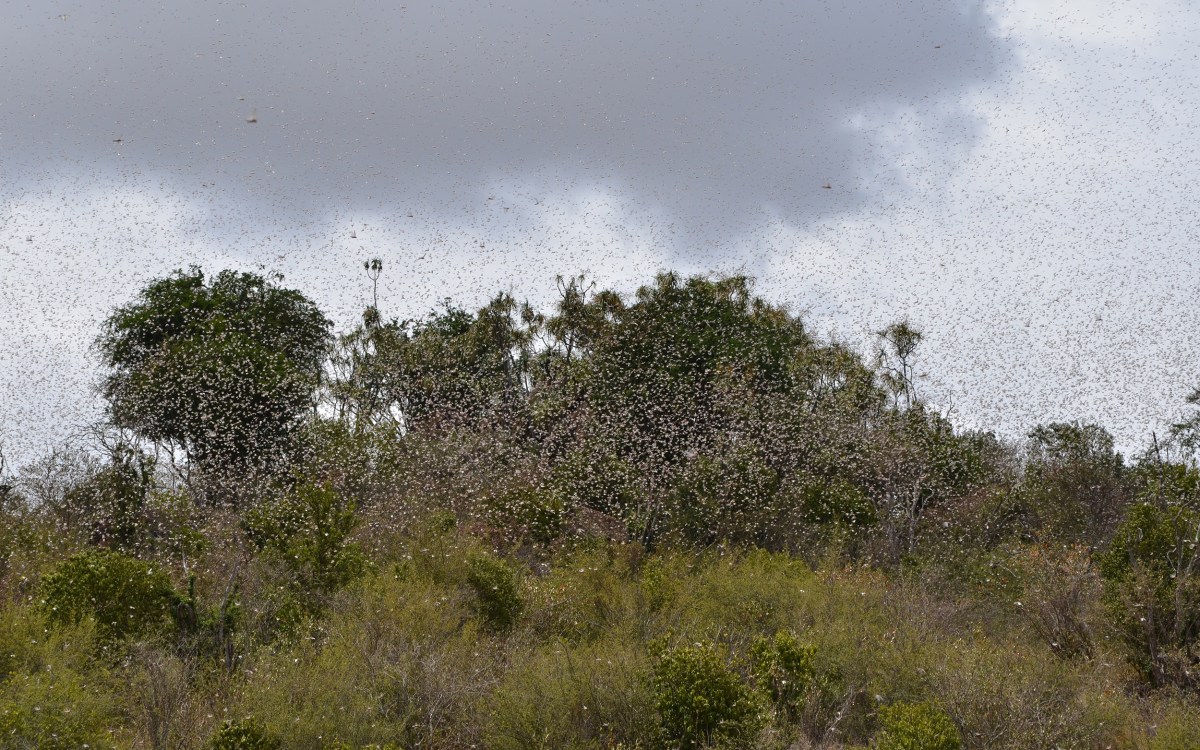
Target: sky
(1012, 177)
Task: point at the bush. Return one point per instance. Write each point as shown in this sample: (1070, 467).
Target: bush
(1152, 589)
(124, 595)
(532, 512)
(701, 701)
(1178, 729)
(589, 697)
(399, 659)
(916, 726)
(497, 594)
(50, 697)
(1059, 590)
(1007, 696)
(52, 714)
(309, 532)
(585, 593)
(784, 668)
(246, 734)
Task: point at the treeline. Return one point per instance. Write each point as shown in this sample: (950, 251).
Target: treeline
(685, 480)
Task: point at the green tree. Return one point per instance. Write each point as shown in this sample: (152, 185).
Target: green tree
(1151, 577)
(898, 344)
(1187, 432)
(111, 503)
(224, 370)
(1074, 487)
(452, 367)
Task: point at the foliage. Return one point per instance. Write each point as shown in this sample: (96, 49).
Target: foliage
(123, 595)
(246, 734)
(701, 701)
(111, 503)
(1060, 587)
(309, 531)
(225, 369)
(673, 519)
(50, 696)
(784, 669)
(1075, 488)
(497, 591)
(916, 726)
(586, 697)
(1152, 589)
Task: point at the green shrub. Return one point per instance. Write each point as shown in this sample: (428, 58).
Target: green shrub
(539, 514)
(1152, 590)
(50, 697)
(112, 502)
(124, 595)
(835, 502)
(399, 659)
(784, 669)
(309, 532)
(584, 594)
(916, 726)
(51, 715)
(596, 696)
(497, 593)
(729, 498)
(246, 734)
(1178, 729)
(701, 701)
(1009, 696)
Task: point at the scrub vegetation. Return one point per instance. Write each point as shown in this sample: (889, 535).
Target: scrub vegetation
(671, 520)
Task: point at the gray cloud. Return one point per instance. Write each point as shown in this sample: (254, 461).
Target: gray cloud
(709, 111)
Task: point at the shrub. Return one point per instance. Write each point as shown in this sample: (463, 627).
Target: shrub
(583, 594)
(1059, 589)
(1178, 729)
(588, 697)
(784, 668)
(53, 714)
(916, 726)
(309, 532)
(1152, 589)
(398, 660)
(539, 514)
(124, 595)
(729, 498)
(49, 696)
(1003, 696)
(246, 734)
(701, 701)
(497, 594)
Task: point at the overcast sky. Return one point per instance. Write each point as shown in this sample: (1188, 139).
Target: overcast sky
(1017, 178)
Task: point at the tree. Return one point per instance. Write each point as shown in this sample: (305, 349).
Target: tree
(1187, 432)
(225, 370)
(1074, 486)
(680, 365)
(897, 344)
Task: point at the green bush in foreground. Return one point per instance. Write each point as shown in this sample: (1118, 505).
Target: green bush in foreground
(784, 668)
(916, 726)
(496, 589)
(701, 701)
(125, 596)
(246, 734)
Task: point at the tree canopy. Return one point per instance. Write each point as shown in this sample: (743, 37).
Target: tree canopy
(224, 369)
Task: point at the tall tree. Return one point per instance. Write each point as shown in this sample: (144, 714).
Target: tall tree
(225, 370)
